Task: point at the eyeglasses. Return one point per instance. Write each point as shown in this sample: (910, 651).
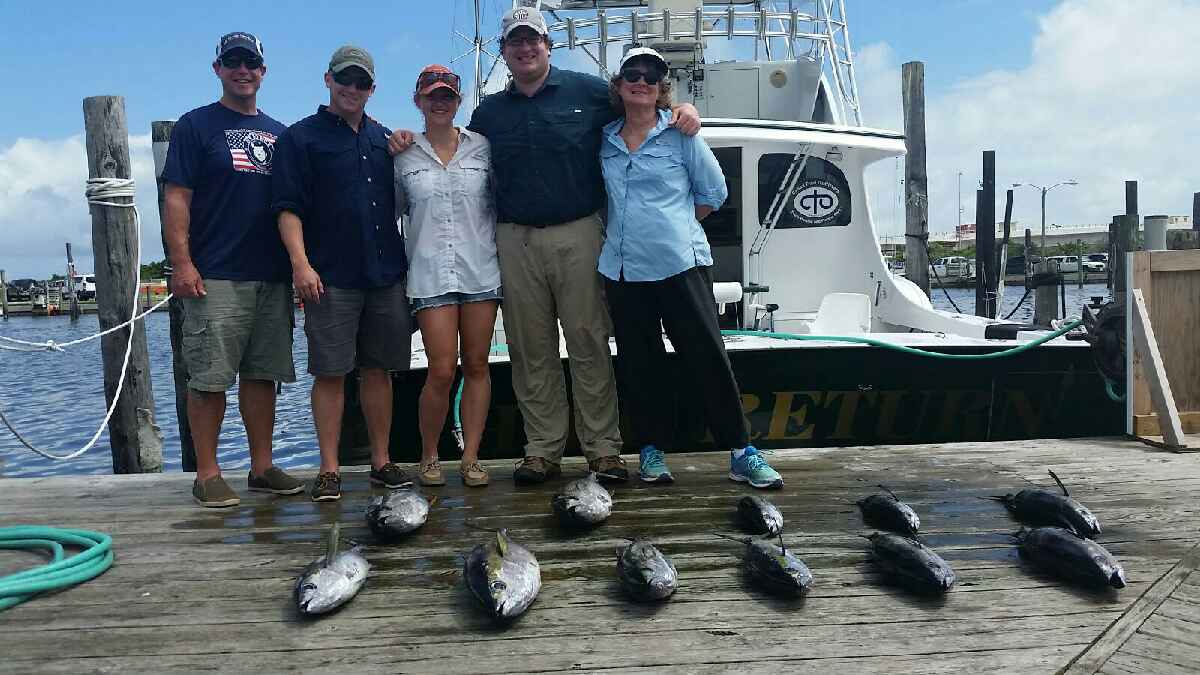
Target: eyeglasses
(235, 61)
(428, 79)
(632, 75)
(360, 82)
(523, 41)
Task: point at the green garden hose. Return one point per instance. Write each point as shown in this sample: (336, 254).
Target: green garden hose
(63, 571)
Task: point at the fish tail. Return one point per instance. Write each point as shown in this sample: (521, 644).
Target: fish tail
(331, 546)
(1060, 483)
(888, 490)
(726, 536)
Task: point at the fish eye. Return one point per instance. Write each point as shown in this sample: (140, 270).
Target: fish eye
(499, 585)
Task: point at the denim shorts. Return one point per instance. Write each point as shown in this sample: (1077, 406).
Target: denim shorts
(454, 298)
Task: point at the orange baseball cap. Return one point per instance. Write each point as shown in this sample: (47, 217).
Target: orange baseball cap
(436, 76)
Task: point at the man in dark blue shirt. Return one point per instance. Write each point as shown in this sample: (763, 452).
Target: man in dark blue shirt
(337, 216)
(230, 269)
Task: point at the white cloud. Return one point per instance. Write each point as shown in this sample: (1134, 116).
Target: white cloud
(42, 204)
(1112, 93)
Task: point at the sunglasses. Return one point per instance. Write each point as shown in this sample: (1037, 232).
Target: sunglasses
(360, 82)
(235, 61)
(427, 79)
(632, 75)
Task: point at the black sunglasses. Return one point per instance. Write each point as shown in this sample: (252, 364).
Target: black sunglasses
(235, 61)
(427, 79)
(360, 82)
(632, 75)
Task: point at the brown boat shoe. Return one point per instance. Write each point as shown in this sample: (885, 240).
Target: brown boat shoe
(275, 481)
(430, 473)
(326, 487)
(535, 470)
(473, 475)
(214, 493)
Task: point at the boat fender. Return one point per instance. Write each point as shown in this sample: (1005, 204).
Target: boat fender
(1001, 331)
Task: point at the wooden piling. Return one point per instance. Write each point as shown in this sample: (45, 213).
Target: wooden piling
(74, 310)
(916, 189)
(134, 437)
(160, 136)
(1196, 211)
(982, 266)
(1079, 252)
(987, 278)
(1125, 243)
(3, 295)
(1131, 197)
(1045, 293)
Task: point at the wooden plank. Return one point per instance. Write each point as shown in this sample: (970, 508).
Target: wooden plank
(1160, 386)
(1175, 261)
(1109, 642)
(1177, 329)
(1147, 425)
(1164, 649)
(1139, 403)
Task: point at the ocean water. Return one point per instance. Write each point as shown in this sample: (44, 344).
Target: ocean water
(56, 399)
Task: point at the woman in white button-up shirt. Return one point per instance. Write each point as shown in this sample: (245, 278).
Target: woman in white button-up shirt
(443, 187)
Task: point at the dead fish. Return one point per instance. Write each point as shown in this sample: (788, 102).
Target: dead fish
(503, 575)
(911, 563)
(889, 513)
(774, 567)
(1071, 556)
(583, 502)
(331, 580)
(1034, 506)
(645, 573)
(397, 513)
(759, 516)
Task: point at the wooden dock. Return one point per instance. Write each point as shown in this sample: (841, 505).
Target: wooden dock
(196, 589)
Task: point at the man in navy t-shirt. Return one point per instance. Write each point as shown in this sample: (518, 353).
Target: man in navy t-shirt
(230, 269)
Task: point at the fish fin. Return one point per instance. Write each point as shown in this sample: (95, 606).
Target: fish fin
(331, 547)
(781, 546)
(745, 541)
(997, 498)
(472, 524)
(1060, 484)
(596, 477)
(889, 491)
(433, 501)
(502, 542)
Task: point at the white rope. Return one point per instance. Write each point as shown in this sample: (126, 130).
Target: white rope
(98, 192)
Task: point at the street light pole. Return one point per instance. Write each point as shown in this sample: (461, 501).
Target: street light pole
(1044, 190)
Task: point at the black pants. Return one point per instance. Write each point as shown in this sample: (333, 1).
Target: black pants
(686, 308)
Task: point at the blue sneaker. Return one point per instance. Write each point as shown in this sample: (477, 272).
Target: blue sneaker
(652, 467)
(753, 469)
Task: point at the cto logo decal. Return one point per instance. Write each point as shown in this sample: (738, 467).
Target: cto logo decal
(817, 202)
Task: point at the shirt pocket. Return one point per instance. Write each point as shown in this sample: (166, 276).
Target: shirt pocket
(420, 184)
(336, 165)
(472, 177)
(659, 161)
(564, 128)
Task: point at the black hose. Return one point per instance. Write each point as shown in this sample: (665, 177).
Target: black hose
(929, 260)
(1019, 303)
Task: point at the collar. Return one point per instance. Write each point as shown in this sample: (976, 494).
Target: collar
(465, 138)
(612, 131)
(333, 118)
(553, 79)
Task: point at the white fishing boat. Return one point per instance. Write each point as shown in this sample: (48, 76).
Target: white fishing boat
(795, 251)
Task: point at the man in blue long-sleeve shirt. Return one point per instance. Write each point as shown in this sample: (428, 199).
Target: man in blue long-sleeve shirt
(337, 216)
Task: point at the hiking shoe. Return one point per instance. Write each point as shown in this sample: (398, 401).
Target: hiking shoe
(391, 476)
(753, 469)
(535, 470)
(609, 468)
(275, 481)
(214, 493)
(652, 466)
(327, 487)
(473, 475)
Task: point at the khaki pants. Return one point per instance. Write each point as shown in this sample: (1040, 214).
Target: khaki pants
(549, 276)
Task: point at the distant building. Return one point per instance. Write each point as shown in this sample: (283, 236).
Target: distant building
(963, 236)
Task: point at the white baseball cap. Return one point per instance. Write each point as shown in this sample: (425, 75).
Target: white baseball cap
(647, 52)
(528, 17)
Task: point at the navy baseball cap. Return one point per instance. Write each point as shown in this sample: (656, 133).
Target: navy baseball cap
(239, 40)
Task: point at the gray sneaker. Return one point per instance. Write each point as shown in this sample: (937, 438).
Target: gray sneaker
(327, 487)
(214, 493)
(275, 481)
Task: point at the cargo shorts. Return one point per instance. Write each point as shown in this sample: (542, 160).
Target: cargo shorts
(240, 328)
(353, 327)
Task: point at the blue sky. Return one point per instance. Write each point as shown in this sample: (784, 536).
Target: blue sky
(1034, 80)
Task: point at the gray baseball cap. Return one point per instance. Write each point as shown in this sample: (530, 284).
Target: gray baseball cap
(349, 55)
(528, 17)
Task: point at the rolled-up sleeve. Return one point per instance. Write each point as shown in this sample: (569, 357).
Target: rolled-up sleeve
(704, 172)
(291, 177)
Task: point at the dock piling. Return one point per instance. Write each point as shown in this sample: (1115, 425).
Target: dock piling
(160, 136)
(134, 437)
(1045, 293)
(916, 180)
(71, 284)
(3, 295)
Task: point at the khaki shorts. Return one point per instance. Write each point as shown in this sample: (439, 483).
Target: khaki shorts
(365, 328)
(241, 328)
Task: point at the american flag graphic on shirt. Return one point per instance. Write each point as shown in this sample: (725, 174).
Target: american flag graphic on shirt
(251, 150)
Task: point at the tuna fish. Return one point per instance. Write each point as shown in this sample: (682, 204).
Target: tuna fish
(911, 564)
(889, 513)
(331, 580)
(645, 573)
(1071, 556)
(503, 575)
(397, 513)
(759, 516)
(774, 567)
(583, 502)
(1034, 506)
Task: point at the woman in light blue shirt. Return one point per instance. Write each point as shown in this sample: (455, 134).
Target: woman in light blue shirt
(655, 261)
(443, 185)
